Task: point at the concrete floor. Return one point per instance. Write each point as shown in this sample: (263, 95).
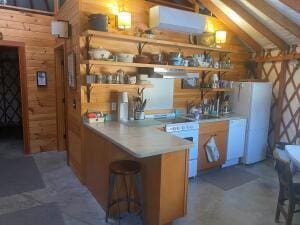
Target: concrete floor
(250, 204)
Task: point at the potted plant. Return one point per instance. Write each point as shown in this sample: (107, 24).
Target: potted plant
(141, 58)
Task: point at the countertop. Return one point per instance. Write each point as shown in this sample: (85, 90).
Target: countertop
(139, 142)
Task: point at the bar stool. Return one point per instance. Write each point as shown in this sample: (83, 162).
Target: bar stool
(125, 168)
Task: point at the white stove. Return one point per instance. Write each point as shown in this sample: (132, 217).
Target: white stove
(185, 129)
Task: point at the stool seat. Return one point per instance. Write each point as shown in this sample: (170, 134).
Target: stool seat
(125, 167)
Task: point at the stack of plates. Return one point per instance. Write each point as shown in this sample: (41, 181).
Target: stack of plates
(122, 57)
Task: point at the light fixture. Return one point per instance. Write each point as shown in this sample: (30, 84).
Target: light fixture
(220, 36)
(124, 20)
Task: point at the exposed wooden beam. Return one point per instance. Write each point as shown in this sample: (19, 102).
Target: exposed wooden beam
(294, 4)
(231, 25)
(287, 57)
(256, 24)
(275, 15)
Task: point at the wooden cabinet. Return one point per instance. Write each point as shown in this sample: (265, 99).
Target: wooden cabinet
(218, 130)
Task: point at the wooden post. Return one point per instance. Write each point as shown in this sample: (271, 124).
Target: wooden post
(282, 79)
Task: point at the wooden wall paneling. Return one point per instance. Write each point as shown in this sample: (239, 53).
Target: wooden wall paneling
(70, 12)
(140, 10)
(35, 33)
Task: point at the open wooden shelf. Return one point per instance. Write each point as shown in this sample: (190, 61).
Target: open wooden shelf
(143, 65)
(122, 85)
(130, 38)
(217, 89)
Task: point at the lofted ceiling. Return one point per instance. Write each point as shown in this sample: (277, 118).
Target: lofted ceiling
(260, 23)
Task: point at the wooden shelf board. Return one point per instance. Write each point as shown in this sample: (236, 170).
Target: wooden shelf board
(123, 85)
(216, 89)
(143, 65)
(130, 38)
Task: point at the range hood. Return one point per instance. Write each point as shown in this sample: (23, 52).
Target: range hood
(167, 73)
(162, 17)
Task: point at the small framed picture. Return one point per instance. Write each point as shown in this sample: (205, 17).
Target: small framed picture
(41, 78)
(72, 70)
(190, 83)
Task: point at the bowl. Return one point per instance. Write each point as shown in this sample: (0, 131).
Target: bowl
(99, 53)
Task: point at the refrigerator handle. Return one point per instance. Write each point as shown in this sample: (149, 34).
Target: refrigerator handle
(239, 93)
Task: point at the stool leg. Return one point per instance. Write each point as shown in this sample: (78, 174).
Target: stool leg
(139, 186)
(127, 193)
(110, 192)
(118, 204)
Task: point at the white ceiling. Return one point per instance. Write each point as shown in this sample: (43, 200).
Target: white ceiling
(277, 29)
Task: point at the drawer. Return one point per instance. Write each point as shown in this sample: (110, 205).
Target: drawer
(212, 127)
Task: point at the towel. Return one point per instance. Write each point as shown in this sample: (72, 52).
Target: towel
(212, 151)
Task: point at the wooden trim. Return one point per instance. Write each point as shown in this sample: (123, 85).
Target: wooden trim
(231, 25)
(22, 9)
(278, 58)
(256, 24)
(276, 16)
(294, 4)
(24, 94)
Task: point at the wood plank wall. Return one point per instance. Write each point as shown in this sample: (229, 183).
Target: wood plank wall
(34, 30)
(70, 12)
(101, 98)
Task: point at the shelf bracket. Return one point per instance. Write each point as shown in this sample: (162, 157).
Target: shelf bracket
(89, 68)
(88, 92)
(87, 45)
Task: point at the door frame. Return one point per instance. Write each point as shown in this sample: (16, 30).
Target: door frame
(24, 92)
(61, 46)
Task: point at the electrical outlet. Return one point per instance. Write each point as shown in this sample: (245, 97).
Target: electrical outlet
(113, 106)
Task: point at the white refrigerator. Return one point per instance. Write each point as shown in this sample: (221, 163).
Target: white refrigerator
(253, 100)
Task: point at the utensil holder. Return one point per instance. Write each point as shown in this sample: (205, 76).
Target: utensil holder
(139, 115)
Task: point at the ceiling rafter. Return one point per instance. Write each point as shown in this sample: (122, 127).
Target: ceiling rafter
(231, 25)
(275, 15)
(256, 24)
(293, 4)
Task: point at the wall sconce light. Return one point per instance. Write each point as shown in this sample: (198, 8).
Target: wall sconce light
(124, 20)
(220, 36)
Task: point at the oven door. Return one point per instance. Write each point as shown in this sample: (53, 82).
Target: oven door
(191, 135)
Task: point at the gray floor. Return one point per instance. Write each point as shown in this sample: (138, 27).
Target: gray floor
(252, 203)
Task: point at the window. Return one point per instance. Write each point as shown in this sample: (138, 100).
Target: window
(42, 5)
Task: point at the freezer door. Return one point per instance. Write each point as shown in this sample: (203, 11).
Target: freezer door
(256, 146)
(260, 106)
(242, 98)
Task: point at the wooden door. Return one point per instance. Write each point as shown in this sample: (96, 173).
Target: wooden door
(61, 98)
(218, 130)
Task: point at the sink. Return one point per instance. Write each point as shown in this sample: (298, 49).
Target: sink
(202, 117)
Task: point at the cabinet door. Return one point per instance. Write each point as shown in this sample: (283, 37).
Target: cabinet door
(220, 133)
